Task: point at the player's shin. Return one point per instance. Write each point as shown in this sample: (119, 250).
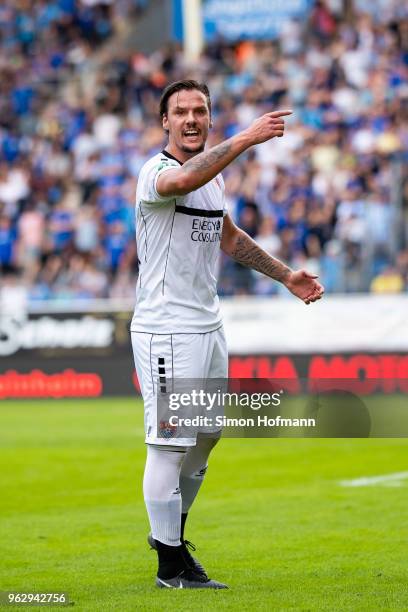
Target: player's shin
(162, 493)
(192, 473)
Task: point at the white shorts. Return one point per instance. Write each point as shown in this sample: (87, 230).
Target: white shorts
(175, 356)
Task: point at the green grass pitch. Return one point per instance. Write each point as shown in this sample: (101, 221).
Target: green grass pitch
(271, 519)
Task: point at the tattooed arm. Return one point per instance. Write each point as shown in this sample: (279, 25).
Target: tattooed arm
(236, 243)
(204, 166)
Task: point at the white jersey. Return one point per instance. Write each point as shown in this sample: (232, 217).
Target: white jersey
(178, 244)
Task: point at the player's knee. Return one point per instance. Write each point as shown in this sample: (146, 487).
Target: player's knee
(193, 472)
(202, 472)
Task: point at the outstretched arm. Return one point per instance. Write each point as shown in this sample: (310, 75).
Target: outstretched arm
(203, 167)
(236, 243)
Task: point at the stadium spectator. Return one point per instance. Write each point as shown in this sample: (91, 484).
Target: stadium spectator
(7, 243)
(75, 129)
(388, 281)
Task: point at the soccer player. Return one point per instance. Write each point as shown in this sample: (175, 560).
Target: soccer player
(182, 222)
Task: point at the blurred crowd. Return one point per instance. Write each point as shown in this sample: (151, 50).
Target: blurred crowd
(77, 124)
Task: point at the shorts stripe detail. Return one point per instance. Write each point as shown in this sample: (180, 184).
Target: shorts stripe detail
(151, 368)
(162, 374)
(198, 212)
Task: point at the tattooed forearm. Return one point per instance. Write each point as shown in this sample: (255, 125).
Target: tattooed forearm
(249, 254)
(203, 167)
(208, 158)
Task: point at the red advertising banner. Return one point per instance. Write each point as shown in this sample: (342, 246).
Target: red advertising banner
(113, 375)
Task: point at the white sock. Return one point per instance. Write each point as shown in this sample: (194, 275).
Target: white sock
(162, 493)
(194, 468)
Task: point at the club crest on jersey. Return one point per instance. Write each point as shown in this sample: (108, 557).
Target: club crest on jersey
(165, 163)
(166, 430)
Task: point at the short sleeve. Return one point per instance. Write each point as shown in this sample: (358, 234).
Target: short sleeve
(149, 181)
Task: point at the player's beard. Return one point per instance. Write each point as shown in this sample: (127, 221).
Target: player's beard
(197, 149)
